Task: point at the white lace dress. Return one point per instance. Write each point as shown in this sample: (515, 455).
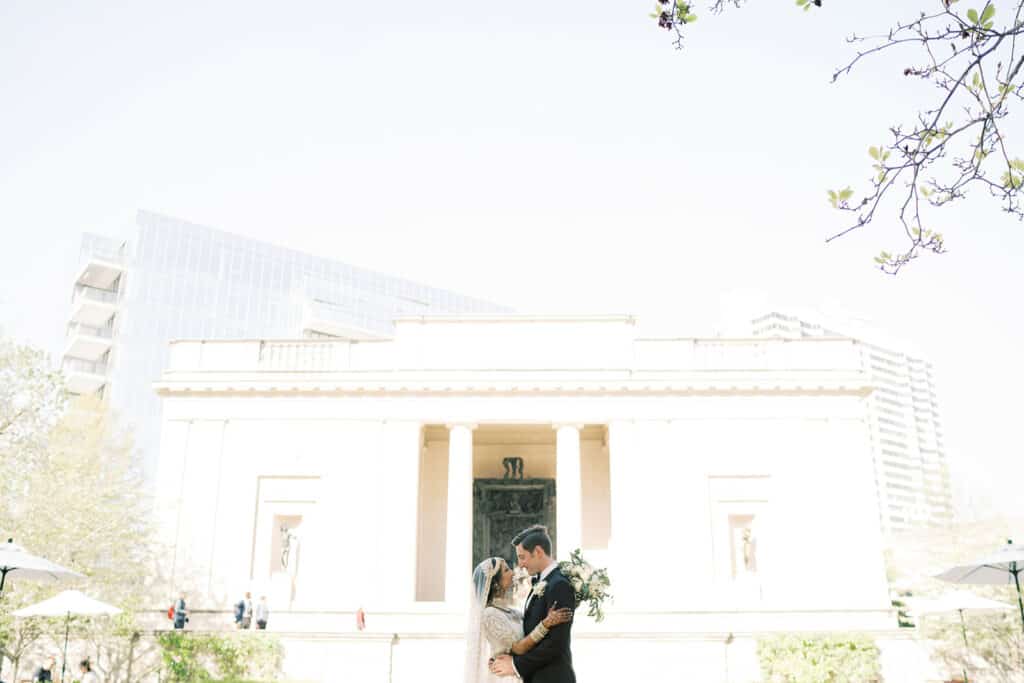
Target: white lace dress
(502, 628)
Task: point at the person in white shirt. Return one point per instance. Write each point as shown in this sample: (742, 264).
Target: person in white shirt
(88, 675)
(261, 612)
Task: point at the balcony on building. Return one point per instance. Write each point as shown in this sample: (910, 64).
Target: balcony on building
(88, 342)
(102, 267)
(321, 319)
(93, 306)
(83, 376)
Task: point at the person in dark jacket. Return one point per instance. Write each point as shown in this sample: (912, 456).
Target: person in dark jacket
(180, 612)
(46, 672)
(551, 660)
(243, 612)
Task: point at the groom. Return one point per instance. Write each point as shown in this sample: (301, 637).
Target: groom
(551, 660)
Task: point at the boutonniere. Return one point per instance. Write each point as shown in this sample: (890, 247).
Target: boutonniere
(538, 590)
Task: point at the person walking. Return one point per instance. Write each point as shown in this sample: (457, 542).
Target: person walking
(262, 613)
(247, 611)
(180, 612)
(243, 612)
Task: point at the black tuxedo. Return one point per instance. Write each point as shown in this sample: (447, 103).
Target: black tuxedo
(550, 661)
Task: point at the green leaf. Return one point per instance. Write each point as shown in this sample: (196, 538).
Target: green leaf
(845, 194)
(801, 3)
(873, 152)
(690, 18)
(989, 10)
(972, 16)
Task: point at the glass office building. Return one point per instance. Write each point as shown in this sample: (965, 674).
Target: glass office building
(178, 280)
(911, 470)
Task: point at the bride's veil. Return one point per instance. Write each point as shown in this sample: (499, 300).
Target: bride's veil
(476, 670)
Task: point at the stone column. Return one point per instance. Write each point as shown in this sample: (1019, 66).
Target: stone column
(459, 539)
(568, 490)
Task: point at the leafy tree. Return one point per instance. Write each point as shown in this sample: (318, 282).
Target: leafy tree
(72, 496)
(969, 53)
(995, 640)
(32, 399)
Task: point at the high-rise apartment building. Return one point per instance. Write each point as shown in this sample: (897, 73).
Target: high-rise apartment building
(911, 472)
(177, 280)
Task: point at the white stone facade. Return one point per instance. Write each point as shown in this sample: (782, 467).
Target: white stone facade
(727, 484)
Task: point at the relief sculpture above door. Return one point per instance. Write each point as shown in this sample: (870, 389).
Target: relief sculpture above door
(504, 507)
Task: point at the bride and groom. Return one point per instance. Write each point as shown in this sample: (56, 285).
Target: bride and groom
(532, 645)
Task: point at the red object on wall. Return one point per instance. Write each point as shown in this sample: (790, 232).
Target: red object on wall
(360, 619)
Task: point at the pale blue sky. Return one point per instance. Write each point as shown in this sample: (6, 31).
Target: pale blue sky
(522, 152)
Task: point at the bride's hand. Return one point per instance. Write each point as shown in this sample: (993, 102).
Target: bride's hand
(557, 616)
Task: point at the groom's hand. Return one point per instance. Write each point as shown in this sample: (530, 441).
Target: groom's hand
(502, 666)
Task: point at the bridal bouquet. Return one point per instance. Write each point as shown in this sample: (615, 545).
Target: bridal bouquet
(591, 585)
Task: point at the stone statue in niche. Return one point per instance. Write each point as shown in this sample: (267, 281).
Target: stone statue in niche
(513, 468)
(749, 551)
(289, 547)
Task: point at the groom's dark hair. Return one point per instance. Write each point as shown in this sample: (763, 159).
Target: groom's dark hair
(531, 537)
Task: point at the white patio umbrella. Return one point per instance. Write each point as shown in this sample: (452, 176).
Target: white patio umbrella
(67, 604)
(21, 564)
(959, 602)
(1001, 568)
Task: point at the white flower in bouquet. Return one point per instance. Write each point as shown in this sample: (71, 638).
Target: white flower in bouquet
(588, 584)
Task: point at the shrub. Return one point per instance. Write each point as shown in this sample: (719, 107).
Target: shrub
(805, 658)
(191, 657)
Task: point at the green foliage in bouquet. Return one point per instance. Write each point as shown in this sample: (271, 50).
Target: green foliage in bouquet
(803, 658)
(590, 585)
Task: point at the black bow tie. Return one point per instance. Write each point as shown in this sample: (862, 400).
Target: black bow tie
(535, 580)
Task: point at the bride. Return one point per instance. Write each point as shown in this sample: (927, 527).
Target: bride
(494, 625)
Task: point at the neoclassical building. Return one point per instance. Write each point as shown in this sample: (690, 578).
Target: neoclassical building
(727, 484)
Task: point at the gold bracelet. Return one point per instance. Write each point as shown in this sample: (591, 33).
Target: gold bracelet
(538, 633)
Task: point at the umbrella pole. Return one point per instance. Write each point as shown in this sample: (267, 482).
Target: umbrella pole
(1020, 603)
(3, 577)
(67, 631)
(963, 630)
